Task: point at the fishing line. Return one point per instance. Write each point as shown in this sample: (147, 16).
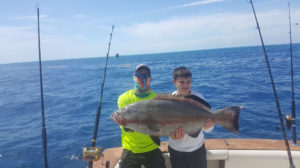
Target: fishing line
(100, 101)
(44, 135)
(293, 112)
(274, 91)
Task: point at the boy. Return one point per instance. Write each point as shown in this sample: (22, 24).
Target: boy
(186, 151)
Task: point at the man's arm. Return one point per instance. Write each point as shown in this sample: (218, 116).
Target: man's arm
(122, 102)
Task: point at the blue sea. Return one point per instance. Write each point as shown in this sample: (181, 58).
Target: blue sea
(230, 76)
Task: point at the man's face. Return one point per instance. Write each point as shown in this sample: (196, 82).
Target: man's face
(183, 85)
(143, 78)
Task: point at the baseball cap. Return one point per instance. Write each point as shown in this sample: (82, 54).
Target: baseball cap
(142, 66)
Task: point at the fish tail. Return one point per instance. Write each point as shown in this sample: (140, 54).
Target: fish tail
(228, 118)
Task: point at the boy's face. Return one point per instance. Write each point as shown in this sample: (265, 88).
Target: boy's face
(183, 85)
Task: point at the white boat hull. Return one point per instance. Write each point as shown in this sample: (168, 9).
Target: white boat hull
(228, 153)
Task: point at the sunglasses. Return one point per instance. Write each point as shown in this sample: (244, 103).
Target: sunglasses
(142, 75)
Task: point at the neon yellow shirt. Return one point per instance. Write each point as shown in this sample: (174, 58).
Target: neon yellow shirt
(134, 141)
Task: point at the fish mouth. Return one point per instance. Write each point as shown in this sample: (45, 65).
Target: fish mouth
(118, 118)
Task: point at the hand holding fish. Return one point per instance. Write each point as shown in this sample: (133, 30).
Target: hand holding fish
(178, 134)
(208, 124)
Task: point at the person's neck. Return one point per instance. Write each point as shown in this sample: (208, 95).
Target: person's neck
(141, 93)
(186, 94)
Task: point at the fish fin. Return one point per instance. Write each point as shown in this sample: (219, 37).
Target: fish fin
(196, 134)
(228, 118)
(199, 99)
(180, 98)
(153, 127)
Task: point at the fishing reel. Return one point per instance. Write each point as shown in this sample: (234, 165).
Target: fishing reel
(289, 121)
(92, 153)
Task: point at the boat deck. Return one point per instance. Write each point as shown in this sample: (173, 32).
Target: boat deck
(113, 154)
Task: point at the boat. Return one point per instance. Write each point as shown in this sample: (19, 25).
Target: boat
(226, 153)
(232, 153)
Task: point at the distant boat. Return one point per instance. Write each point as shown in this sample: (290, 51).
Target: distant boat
(117, 55)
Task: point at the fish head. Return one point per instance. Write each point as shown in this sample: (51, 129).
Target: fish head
(118, 118)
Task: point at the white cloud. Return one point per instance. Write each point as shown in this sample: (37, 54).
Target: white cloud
(18, 44)
(201, 32)
(79, 16)
(190, 26)
(197, 3)
(15, 34)
(204, 2)
(79, 37)
(34, 17)
(43, 18)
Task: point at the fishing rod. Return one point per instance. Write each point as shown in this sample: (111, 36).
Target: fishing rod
(44, 135)
(92, 153)
(274, 90)
(293, 109)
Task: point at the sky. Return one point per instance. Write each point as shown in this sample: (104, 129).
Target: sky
(81, 29)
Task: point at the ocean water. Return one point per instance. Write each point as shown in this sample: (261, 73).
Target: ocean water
(231, 76)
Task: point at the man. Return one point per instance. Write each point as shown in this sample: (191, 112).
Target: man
(139, 149)
(186, 151)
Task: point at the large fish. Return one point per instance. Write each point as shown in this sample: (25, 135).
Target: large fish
(162, 115)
